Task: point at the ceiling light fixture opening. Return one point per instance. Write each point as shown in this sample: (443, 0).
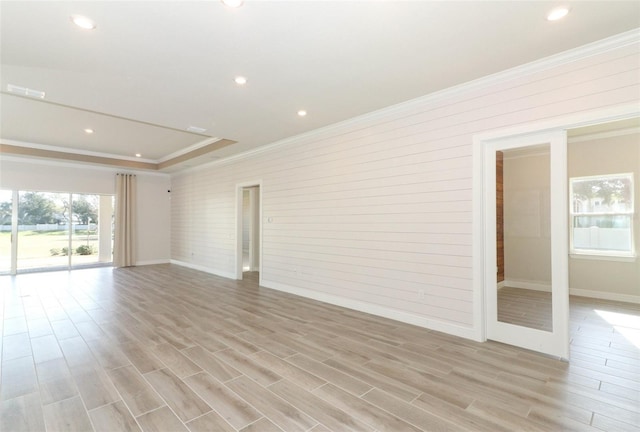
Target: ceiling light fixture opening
(240, 80)
(23, 91)
(196, 129)
(88, 131)
(83, 22)
(302, 113)
(557, 13)
(233, 3)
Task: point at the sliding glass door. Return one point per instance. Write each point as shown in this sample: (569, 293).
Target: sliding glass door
(54, 230)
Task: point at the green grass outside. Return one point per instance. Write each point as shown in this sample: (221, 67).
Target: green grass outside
(34, 248)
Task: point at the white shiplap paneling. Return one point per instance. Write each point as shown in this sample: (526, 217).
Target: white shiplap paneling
(376, 213)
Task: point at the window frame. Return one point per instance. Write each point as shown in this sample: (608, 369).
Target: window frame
(602, 254)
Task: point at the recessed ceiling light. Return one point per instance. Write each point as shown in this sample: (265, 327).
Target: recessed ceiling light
(88, 131)
(83, 22)
(233, 3)
(138, 155)
(196, 129)
(240, 80)
(23, 91)
(302, 113)
(557, 13)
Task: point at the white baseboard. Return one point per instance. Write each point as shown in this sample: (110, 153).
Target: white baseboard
(204, 269)
(525, 284)
(603, 295)
(628, 298)
(152, 262)
(409, 318)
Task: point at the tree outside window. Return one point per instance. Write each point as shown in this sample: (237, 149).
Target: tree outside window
(602, 210)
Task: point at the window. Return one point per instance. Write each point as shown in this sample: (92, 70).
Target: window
(602, 215)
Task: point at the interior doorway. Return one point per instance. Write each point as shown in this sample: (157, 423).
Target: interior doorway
(604, 187)
(526, 252)
(248, 250)
(485, 227)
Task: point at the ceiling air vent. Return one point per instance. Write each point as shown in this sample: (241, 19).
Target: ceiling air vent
(23, 91)
(196, 129)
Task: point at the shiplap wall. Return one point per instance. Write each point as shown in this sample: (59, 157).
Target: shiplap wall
(375, 213)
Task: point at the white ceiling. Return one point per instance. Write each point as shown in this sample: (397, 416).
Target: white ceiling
(151, 69)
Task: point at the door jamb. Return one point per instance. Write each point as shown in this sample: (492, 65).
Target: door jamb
(239, 223)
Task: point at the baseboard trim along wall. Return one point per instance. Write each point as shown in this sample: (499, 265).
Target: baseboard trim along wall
(602, 295)
(452, 329)
(525, 284)
(204, 269)
(152, 262)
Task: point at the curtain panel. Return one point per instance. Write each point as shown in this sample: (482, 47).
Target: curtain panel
(124, 253)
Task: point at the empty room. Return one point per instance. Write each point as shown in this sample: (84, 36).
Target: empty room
(255, 216)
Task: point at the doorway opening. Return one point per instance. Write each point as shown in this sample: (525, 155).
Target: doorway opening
(488, 272)
(604, 227)
(249, 229)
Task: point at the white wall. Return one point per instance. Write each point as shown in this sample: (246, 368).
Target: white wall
(153, 199)
(46, 176)
(612, 155)
(376, 213)
(154, 219)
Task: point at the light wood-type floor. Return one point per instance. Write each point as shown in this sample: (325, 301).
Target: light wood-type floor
(527, 308)
(164, 348)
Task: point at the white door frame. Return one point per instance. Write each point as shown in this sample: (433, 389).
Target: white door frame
(239, 222)
(556, 342)
(571, 121)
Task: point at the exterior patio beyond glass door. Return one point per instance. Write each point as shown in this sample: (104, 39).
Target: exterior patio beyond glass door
(91, 236)
(62, 230)
(43, 230)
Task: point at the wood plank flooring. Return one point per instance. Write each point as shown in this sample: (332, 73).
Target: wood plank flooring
(165, 348)
(524, 307)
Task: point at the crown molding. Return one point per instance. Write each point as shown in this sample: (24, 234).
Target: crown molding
(33, 150)
(70, 151)
(76, 165)
(573, 55)
(189, 149)
(7, 149)
(604, 135)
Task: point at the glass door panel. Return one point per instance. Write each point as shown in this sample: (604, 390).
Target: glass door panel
(43, 230)
(92, 234)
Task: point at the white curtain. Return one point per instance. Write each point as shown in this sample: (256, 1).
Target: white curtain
(125, 221)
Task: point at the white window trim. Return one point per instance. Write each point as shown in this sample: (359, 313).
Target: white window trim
(600, 256)
(603, 255)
